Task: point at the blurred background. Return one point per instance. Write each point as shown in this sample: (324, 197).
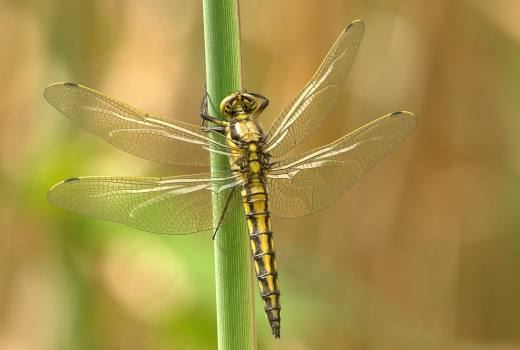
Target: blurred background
(423, 253)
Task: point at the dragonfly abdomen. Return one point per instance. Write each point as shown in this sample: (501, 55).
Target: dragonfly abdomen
(254, 198)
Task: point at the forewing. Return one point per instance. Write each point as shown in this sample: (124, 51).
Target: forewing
(133, 131)
(311, 181)
(171, 205)
(307, 111)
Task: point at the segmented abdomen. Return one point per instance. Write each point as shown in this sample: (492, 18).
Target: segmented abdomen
(254, 198)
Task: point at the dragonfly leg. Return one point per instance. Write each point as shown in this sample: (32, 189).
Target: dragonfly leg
(204, 113)
(263, 105)
(208, 118)
(219, 129)
(204, 102)
(228, 200)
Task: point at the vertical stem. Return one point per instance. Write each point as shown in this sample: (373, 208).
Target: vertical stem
(232, 257)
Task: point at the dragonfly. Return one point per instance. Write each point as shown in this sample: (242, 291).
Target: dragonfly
(270, 181)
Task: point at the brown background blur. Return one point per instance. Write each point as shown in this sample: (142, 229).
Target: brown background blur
(423, 253)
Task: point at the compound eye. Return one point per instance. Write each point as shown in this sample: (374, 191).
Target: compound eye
(249, 103)
(238, 103)
(227, 105)
(252, 105)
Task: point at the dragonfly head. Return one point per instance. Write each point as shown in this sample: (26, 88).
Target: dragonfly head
(237, 104)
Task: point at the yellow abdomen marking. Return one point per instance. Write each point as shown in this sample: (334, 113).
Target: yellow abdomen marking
(255, 201)
(247, 162)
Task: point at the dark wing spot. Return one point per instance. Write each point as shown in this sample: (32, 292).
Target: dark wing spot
(71, 85)
(72, 179)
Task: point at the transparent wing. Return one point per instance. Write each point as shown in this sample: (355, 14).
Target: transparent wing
(133, 131)
(171, 205)
(313, 180)
(307, 111)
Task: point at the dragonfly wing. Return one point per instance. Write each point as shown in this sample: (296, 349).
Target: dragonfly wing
(311, 181)
(133, 131)
(307, 111)
(171, 205)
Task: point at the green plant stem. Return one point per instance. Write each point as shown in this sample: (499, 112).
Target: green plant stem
(232, 258)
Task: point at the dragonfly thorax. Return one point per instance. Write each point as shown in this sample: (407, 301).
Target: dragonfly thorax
(243, 131)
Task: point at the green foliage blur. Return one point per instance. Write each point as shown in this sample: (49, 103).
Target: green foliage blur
(423, 253)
